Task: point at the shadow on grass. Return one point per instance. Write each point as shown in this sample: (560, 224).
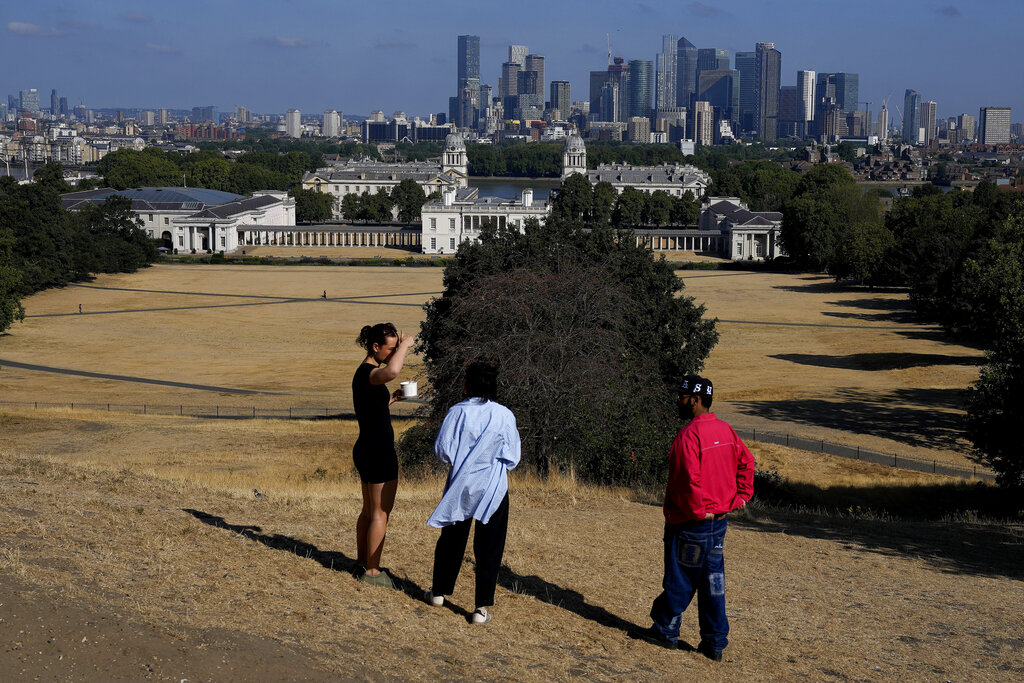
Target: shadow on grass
(876, 304)
(896, 317)
(330, 559)
(822, 284)
(907, 416)
(940, 524)
(566, 598)
(878, 361)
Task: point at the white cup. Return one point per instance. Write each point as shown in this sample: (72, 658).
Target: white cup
(408, 389)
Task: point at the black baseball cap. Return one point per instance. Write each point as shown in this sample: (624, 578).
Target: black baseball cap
(695, 385)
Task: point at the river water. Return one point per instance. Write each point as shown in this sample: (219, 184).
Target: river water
(510, 188)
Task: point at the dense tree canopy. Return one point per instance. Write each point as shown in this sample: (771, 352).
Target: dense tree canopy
(312, 206)
(598, 205)
(42, 245)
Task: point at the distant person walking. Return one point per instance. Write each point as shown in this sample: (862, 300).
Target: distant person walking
(374, 450)
(710, 473)
(480, 443)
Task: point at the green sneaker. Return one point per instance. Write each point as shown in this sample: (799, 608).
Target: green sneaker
(383, 579)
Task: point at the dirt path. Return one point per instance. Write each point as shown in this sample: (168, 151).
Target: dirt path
(46, 637)
(216, 585)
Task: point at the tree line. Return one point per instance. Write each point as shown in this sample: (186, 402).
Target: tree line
(42, 245)
(961, 256)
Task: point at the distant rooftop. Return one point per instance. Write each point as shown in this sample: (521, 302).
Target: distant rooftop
(157, 195)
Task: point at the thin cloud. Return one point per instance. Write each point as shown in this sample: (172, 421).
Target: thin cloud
(588, 49)
(284, 42)
(706, 11)
(136, 18)
(162, 49)
(25, 29)
(78, 25)
(645, 9)
(389, 44)
(949, 11)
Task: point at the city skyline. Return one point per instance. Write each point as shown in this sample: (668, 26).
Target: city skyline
(312, 56)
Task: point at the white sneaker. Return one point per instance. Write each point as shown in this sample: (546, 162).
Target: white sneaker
(481, 615)
(435, 600)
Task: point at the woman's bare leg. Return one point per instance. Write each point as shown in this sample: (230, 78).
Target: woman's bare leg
(378, 501)
(361, 526)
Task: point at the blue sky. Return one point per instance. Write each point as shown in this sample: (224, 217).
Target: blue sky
(357, 56)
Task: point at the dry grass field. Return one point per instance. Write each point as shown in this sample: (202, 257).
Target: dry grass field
(796, 354)
(133, 546)
(137, 546)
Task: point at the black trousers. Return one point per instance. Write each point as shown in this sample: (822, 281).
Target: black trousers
(488, 548)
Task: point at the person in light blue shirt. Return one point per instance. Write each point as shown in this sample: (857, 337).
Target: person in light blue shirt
(480, 443)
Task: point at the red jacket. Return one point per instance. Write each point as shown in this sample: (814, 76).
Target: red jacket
(709, 470)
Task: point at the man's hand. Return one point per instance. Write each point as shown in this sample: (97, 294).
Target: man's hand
(709, 516)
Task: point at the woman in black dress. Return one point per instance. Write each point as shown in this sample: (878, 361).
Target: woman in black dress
(374, 451)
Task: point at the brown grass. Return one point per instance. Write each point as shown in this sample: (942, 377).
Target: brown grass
(154, 518)
(886, 383)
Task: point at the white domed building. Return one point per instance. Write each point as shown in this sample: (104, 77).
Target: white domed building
(356, 176)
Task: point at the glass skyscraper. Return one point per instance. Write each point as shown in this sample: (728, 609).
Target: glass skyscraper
(641, 87)
(767, 77)
(468, 87)
(686, 72)
(911, 117)
(665, 79)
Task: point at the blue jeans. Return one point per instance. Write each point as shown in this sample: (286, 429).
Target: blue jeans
(694, 563)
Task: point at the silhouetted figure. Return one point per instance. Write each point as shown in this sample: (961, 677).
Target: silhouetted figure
(324, 295)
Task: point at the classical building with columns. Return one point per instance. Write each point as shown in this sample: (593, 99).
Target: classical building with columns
(356, 176)
(460, 215)
(747, 235)
(195, 219)
(675, 180)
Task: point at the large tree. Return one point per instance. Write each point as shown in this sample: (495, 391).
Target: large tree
(312, 206)
(409, 197)
(590, 333)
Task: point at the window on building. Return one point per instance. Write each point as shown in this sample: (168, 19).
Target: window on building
(433, 224)
(451, 225)
(150, 218)
(167, 221)
(149, 232)
(181, 241)
(451, 243)
(222, 241)
(433, 243)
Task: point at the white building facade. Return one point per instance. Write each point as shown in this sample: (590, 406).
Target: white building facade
(195, 219)
(460, 216)
(748, 235)
(356, 176)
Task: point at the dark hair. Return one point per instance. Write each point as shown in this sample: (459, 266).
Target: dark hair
(375, 334)
(706, 400)
(482, 380)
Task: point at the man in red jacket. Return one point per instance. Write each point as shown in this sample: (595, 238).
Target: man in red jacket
(710, 473)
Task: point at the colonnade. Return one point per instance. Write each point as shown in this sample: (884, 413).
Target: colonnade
(348, 237)
(681, 242)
